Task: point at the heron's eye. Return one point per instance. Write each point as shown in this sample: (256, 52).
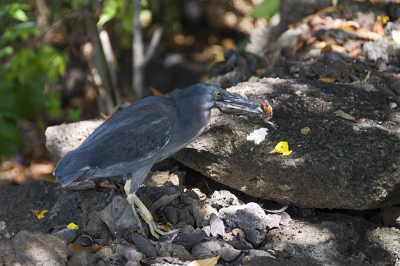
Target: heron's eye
(218, 94)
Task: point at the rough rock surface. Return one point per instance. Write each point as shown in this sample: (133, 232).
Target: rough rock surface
(28, 248)
(339, 164)
(63, 138)
(222, 199)
(343, 240)
(250, 218)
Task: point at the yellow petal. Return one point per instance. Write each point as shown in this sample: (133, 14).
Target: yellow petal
(73, 226)
(282, 147)
(39, 213)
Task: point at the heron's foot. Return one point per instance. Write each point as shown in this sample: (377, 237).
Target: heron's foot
(146, 215)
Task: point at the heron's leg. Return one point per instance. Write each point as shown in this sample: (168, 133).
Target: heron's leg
(132, 203)
(146, 215)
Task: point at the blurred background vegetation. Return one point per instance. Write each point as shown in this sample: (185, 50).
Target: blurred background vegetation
(64, 61)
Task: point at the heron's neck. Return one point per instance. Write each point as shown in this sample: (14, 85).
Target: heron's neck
(193, 114)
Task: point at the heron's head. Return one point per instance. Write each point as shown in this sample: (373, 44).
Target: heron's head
(210, 96)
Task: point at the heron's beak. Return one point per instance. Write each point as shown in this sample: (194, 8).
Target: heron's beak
(237, 102)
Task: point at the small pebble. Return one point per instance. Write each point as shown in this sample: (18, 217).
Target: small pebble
(381, 64)
(393, 105)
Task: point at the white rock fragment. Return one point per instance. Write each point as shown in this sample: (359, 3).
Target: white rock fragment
(258, 135)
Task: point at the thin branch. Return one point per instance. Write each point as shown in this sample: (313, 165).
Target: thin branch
(98, 68)
(138, 51)
(111, 62)
(155, 39)
(44, 14)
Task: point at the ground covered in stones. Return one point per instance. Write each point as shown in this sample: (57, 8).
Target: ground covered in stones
(214, 222)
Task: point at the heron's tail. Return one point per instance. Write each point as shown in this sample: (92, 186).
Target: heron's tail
(70, 167)
(66, 179)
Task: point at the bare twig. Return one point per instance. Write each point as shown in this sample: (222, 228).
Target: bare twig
(111, 62)
(155, 39)
(138, 51)
(140, 60)
(98, 68)
(44, 14)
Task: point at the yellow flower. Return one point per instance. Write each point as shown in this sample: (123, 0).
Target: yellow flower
(282, 147)
(39, 213)
(73, 226)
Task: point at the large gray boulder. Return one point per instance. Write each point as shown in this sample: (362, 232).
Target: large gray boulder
(343, 162)
(349, 159)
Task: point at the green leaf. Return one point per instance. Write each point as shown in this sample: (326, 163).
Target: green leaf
(26, 26)
(54, 104)
(74, 114)
(20, 15)
(127, 23)
(266, 9)
(9, 136)
(52, 62)
(8, 129)
(7, 37)
(75, 3)
(3, 13)
(6, 51)
(22, 58)
(109, 12)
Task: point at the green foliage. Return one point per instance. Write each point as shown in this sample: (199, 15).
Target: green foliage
(266, 9)
(74, 114)
(23, 74)
(172, 15)
(120, 11)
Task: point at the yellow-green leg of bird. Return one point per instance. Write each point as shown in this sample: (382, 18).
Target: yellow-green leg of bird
(146, 215)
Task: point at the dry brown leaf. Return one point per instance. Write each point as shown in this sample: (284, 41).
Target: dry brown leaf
(328, 80)
(41, 169)
(166, 228)
(155, 91)
(317, 20)
(105, 116)
(319, 13)
(368, 35)
(73, 248)
(206, 262)
(355, 53)
(109, 185)
(337, 48)
(378, 27)
(326, 49)
(110, 241)
(311, 40)
(344, 26)
(305, 130)
(320, 45)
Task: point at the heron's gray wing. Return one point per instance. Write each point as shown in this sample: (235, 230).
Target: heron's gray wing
(136, 133)
(132, 143)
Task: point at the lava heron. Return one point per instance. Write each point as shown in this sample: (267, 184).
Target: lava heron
(146, 132)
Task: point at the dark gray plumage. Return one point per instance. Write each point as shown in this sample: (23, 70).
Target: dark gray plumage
(146, 132)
